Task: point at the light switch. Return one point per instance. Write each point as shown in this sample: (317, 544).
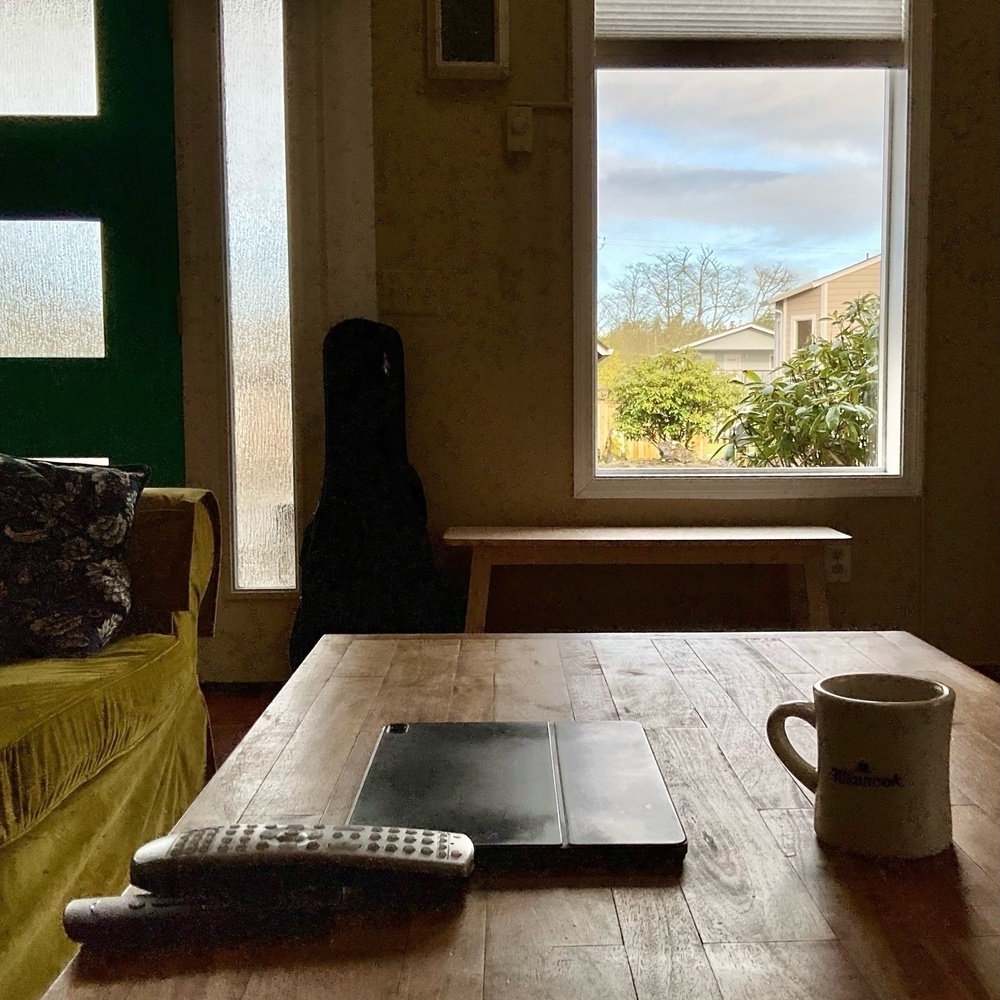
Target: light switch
(520, 128)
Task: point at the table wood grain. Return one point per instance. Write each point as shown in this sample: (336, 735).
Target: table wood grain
(760, 911)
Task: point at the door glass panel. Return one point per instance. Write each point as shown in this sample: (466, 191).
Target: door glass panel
(51, 289)
(257, 247)
(48, 62)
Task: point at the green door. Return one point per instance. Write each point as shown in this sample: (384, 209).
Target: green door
(116, 168)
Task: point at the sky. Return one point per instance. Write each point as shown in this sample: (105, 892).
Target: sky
(764, 166)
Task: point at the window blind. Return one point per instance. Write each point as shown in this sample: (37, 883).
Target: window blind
(749, 19)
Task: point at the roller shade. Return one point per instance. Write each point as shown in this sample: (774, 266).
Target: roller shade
(749, 19)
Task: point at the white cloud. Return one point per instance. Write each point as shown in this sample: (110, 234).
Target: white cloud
(831, 114)
(822, 204)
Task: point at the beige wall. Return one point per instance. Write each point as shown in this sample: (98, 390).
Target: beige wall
(485, 242)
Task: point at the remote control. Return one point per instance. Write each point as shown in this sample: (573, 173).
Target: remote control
(255, 858)
(142, 921)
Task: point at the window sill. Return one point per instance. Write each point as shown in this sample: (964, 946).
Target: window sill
(744, 485)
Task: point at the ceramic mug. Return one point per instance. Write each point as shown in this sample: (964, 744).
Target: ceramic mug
(881, 779)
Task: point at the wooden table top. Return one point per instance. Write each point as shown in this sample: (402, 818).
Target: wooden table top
(722, 535)
(759, 912)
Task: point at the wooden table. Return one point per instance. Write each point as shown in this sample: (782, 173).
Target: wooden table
(758, 912)
(801, 549)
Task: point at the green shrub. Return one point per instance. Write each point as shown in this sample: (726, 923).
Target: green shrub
(671, 398)
(819, 408)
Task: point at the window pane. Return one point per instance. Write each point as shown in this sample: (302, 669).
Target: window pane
(257, 240)
(47, 57)
(51, 289)
(732, 204)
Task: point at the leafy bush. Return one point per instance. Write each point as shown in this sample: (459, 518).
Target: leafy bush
(670, 398)
(819, 408)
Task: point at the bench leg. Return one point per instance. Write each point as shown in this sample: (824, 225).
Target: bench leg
(818, 609)
(479, 591)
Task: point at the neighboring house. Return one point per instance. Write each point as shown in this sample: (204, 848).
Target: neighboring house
(743, 348)
(799, 314)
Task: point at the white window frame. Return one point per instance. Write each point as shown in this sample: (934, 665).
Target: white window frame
(900, 419)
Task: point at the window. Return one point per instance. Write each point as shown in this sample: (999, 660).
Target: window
(258, 288)
(732, 160)
(803, 332)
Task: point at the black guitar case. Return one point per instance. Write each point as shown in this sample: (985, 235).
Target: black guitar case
(366, 563)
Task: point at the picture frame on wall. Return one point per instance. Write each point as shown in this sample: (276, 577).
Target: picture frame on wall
(468, 39)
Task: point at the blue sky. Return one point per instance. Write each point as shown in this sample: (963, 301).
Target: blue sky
(763, 166)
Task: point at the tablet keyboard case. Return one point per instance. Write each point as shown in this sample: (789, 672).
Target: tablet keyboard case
(572, 795)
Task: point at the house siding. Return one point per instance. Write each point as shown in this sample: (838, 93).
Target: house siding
(821, 301)
(848, 288)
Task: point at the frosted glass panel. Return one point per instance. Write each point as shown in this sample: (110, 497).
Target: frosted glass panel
(257, 243)
(47, 57)
(51, 289)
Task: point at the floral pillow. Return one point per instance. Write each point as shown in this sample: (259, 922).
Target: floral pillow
(64, 585)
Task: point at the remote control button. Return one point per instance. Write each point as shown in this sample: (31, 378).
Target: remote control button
(355, 835)
(409, 840)
(376, 829)
(393, 829)
(442, 854)
(390, 848)
(320, 826)
(262, 845)
(313, 845)
(314, 835)
(223, 848)
(392, 838)
(456, 855)
(373, 848)
(135, 903)
(374, 836)
(270, 826)
(427, 840)
(412, 832)
(426, 850)
(352, 845)
(408, 849)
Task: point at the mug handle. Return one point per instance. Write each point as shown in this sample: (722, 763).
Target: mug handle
(800, 768)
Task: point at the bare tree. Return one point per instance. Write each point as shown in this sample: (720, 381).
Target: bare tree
(697, 288)
(629, 301)
(769, 281)
(678, 297)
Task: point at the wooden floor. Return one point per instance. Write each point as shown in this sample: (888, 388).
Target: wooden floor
(233, 709)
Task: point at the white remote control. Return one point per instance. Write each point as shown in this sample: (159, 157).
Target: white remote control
(254, 857)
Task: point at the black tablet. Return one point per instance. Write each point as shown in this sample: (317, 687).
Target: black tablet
(567, 795)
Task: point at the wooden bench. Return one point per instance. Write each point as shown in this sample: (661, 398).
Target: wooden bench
(801, 549)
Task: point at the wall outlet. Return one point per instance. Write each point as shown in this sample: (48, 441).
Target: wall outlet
(838, 563)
